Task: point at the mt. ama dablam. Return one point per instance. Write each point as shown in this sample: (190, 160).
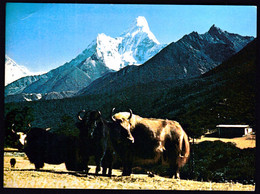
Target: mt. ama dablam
(104, 54)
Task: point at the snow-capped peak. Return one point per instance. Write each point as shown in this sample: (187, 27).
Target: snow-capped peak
(103, 39)
(135, 46)
(13, 71)
(141, 22)
(140, 26)
(102, 36)
(107, 51)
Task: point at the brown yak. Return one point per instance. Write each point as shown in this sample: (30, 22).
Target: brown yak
(154, 141)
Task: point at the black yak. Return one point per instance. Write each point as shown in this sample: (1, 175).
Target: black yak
(95, 141)
(42, 146)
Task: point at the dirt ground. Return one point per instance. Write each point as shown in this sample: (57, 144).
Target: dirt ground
(23, 175)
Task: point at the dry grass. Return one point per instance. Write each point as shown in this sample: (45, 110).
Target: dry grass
(56, 176)
(241, 142)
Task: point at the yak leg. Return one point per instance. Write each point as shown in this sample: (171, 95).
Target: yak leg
(104, 170)
(39, 162)
(107, 162)
(174, 157)
(127, 166)
(174, 171)
(110, 165)
(98, 163)
(98, 159)
(85, 159)
(38, 165)
(175, 166)
(105, 167)
(177, 174)
(110, 171)
(84, 153)
(127, 170)
(128, 159)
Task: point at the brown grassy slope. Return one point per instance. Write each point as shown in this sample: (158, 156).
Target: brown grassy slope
(241, 142)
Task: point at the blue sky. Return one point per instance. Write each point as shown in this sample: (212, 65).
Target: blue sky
(44, 36)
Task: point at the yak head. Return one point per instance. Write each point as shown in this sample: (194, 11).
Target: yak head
(124, 119)
(88, 123)
(22, 136)
(19, 138)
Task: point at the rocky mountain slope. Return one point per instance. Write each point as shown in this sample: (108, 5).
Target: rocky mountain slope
(191, 56)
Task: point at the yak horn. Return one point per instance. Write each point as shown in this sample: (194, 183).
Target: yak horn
(13, 131)
(131, 113)
(111, 115)
(79, 114)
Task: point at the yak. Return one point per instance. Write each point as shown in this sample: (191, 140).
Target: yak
(42, 146)
(95, 140)
(154, 141)
(117, 143)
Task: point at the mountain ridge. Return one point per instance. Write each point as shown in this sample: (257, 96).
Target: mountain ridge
(191, 56)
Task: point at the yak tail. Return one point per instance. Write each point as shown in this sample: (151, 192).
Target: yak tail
(184, 155)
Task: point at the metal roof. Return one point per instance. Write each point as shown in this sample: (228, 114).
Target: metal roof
(233, 126)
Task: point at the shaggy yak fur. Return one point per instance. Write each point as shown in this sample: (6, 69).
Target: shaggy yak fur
(154, 141)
